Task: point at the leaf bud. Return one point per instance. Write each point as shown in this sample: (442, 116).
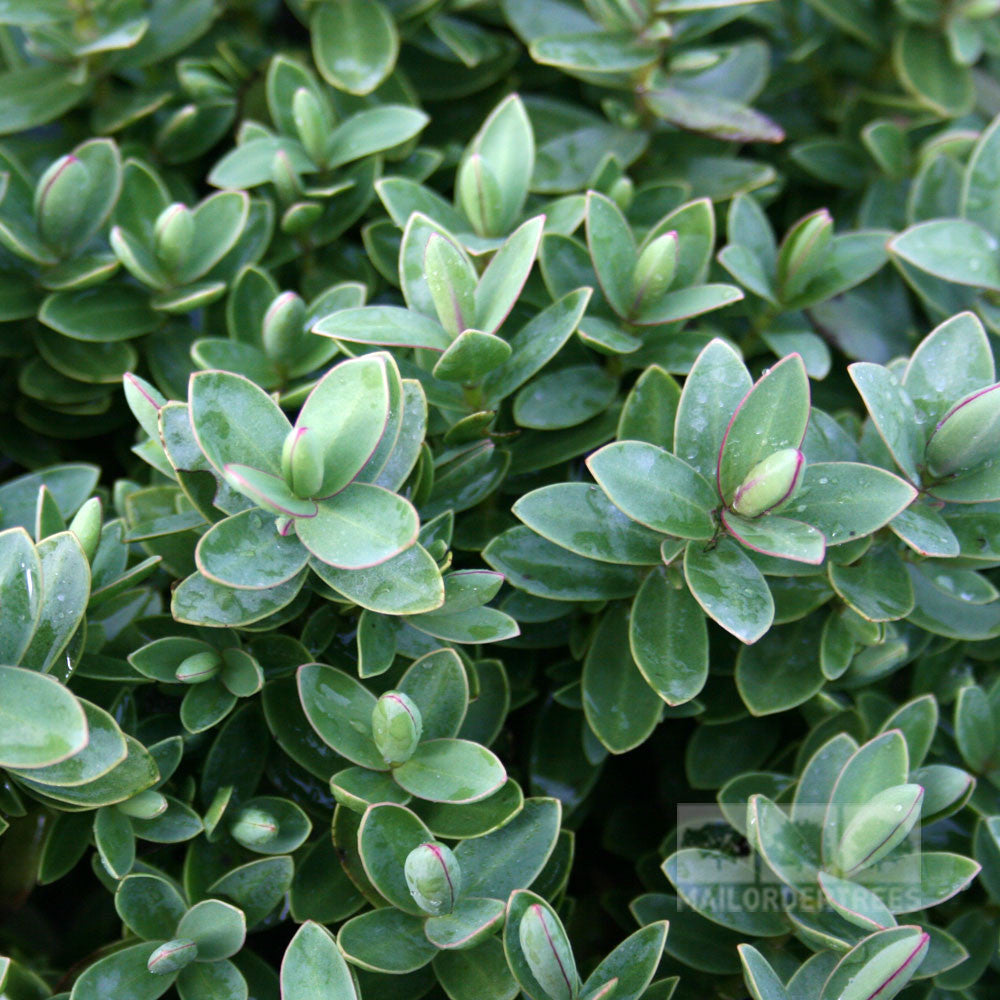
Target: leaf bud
(451, 284)
(480, 196)
(311, 123)
(622, 193)
(396, 727)
(302, 462)
(61, 199)
(878, 827)
(547, 952)
(146, 805)
(769, 483)
(284, 325)
(300, 216)
(285, 177)
(803, 252)
(172, 956)
(654, 270)
(254, 827)
(173, 235)
(86, 525)
(434, 877)
(199, 667)
(967, 435)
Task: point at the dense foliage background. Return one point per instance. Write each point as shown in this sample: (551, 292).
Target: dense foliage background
(499, 496)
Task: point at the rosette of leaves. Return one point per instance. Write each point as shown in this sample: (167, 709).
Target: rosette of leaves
(841, 850)
(638, 46)
(540, 957)
(810, 266)
(268, 338)
(322, 156)
(434, 900)
(405, 743)
(173, 944)
(950, 255)
(74, 50)
(715, 499)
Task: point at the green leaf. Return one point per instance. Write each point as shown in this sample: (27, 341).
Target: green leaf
(655, 488)
(512, 856)
(236, 422)
(387, 835)
(505, 275)
(387, 326)
(729, 588)
(780, 841)
(354, 43)
(42, 723)
(269, 491)
(847, 500)
(469, 923)
(893, 413)
(362, 941)
(451, 770)
(477, 973)
(348, 411)
(218, 929)
(407, 584)
(125, 972)
(20, 593)
(372, 131)
(538, 567)
(773, 535)
(633, 963)
(340, 709)
(686, 303)
(313, 966)
(877, 586)
(115, 842)
(474, 819)
(107, 312)
(564, 398)
(471, 355)
(880, 965)
(669, 639)
(761, 980)
(924, 65)
(611, 679)
(612, 250)
(38, 94)
(247, 552)
(150, 905)
(360, 527)
(955, 250)
(772, 416)
(553, 960)
(211, 981)
(579, 517)
(200, 601)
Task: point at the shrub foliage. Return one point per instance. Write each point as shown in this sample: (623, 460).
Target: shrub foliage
(500, 497)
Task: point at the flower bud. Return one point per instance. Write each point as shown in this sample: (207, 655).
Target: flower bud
(311, 124)
(172, 956)
(396, 727)
(173, 235)
(254, 827)
(967, 435)
(654, 270)
(480, 196)
(61, 199)
(548, 953)
(86, 525)
(622, 193)
(769, 483)
(434, 878)
(877, 827)
(302, 462)
(803, 252)
(146, 805)
(198, 668)
(284, 325)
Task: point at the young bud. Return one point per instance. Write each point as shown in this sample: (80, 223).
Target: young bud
(877, 827)
(433, 877)
(396, 727)
(479, 196)
(173, 235)
(803, 252)
(172, 956)
(146, 805)
(254, 828)
(654, 270)
(452, 284)
(548, 954)
(302, 462)
(622, 193)
(199, 668)
(311, 123)
(285, 178)
(967, 435)
(86, 525)
(284, 325)
(769, 483)
(61, 199)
